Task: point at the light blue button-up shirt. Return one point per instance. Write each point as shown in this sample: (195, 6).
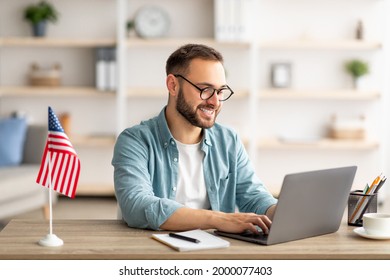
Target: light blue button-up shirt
(146, 168)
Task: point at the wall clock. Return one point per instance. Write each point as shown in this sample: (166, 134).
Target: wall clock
(151, 22)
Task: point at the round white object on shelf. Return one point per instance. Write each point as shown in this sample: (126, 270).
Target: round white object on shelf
(151, 22)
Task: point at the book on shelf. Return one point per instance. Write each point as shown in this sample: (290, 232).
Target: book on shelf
(105, 69)
(232, 20)
(111, 73)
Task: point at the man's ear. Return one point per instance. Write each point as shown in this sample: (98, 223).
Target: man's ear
(172, 84)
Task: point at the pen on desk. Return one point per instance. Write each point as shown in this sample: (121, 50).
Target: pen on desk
(178, 236)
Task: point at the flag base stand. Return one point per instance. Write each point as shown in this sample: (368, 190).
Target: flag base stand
(51, 240)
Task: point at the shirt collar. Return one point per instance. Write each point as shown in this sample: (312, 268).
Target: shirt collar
(207, 137)
(166, 135)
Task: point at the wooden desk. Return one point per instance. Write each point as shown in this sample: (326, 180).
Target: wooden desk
(112, 239)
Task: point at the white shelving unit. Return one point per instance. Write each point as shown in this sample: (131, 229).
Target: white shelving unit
(301, 114)
(93, 123)
(258, 112)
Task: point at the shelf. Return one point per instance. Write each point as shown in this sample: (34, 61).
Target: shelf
(322, 45)
(147, 92)
(176, 42)
(29, 91)
(95, 190)
(55, 42)
(323, 144)
(92, 141)
(282, 45)
(349, 95)
(163, 93)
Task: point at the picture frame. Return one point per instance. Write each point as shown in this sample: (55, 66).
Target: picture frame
(281, 75)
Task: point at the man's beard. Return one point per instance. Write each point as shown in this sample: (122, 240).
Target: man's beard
(185, 110)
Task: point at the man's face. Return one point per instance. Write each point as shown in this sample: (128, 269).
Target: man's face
(198, 112)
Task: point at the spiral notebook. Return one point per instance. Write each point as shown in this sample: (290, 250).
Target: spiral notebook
(207, 241)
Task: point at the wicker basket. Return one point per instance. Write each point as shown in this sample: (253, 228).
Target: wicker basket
(348, 133)
(50, 77)
(347, 127)
(45, 81)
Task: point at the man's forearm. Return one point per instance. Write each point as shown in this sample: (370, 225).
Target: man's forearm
(188, 218)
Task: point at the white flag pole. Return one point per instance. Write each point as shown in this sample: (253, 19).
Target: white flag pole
(50, 240)
(50, 202)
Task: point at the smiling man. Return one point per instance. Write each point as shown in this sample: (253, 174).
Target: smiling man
(181, 170)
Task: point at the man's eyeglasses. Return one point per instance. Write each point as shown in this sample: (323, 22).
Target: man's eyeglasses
(223, 93)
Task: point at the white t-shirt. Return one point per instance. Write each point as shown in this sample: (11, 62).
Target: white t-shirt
(191, 188)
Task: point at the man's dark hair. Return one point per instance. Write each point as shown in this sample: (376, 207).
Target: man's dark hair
(179, 61)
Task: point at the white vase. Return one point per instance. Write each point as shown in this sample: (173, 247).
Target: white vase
(360, 83)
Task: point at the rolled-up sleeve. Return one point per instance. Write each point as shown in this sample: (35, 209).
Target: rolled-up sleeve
(252, 195)
(133, 187)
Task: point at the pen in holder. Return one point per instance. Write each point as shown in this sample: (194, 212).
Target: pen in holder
(368, 207)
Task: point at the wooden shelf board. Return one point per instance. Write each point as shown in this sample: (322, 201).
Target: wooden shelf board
(147, 92)
(176, 42)
(29, 91)
(349, 95)
(270, 45)
(56, 42)
(95, 190)
(323, 144)
(321, 45)
(163, 93)
(92, 141)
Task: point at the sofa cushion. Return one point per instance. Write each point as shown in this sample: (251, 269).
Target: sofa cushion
(12, 137)
(19, 191)
(18, 181)
(36, 138)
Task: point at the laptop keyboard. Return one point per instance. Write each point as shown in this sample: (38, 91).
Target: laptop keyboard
(259, 236)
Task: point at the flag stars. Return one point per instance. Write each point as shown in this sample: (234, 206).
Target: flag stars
(54, 124)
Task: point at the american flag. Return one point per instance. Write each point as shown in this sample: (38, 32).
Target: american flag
(64, 163)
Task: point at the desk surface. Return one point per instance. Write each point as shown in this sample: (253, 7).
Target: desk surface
(112, 239)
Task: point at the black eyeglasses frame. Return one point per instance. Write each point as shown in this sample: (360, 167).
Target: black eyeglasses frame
(202, 90)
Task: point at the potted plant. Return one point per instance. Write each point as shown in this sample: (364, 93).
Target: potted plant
(356, 68)
(38, 15)
(130, 27)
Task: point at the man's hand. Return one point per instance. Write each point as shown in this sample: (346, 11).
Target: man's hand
(239, 222)
(187, 219)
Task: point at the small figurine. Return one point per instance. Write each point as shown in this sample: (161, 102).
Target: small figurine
(359, 30)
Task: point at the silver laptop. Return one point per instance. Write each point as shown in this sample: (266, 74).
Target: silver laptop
(310, 204)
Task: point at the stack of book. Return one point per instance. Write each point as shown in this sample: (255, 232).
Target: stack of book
(232, 20)
(105, 69)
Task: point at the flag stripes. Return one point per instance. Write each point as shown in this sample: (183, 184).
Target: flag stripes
(65, 170)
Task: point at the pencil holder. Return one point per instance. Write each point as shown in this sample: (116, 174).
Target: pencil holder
(359, 204)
